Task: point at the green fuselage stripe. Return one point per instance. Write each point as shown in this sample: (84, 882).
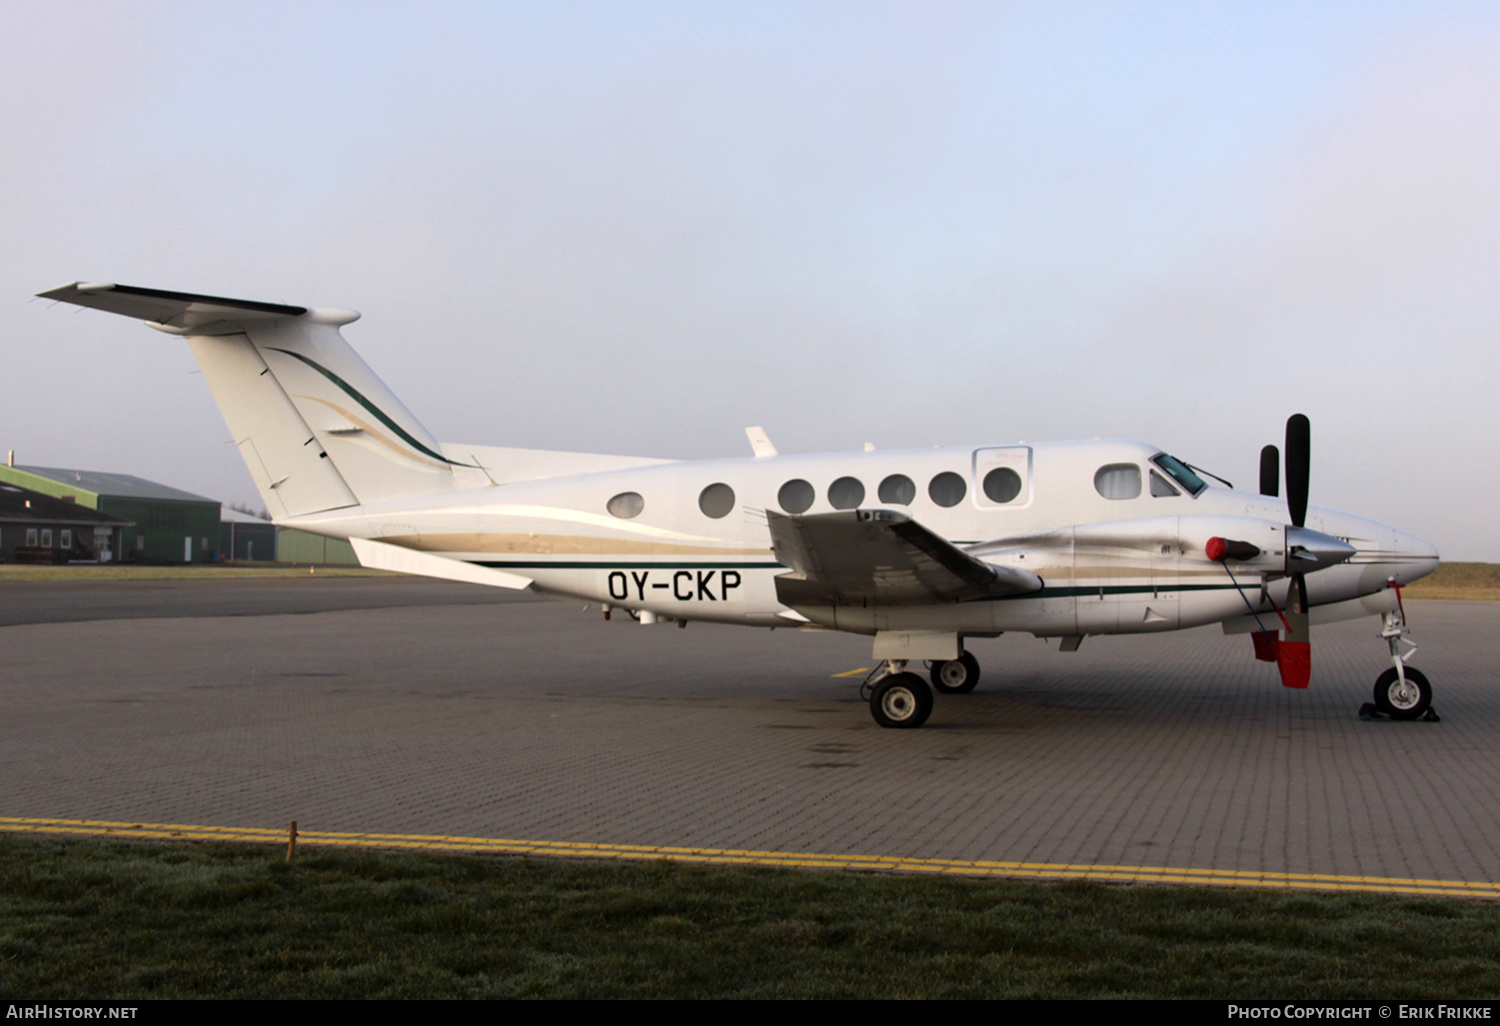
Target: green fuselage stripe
(1078, 591)
(1094, 591)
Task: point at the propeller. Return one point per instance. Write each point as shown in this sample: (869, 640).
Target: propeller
(1294, 652)
(1306, 551)
(1270, 471)
(1298, 470)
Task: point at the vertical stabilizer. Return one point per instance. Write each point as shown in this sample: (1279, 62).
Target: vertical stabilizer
(287, 464)
(317, 429)
(379, 449)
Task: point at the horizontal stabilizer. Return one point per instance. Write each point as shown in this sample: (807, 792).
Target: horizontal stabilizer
(881, 558)
(385, 556)
(186, 313)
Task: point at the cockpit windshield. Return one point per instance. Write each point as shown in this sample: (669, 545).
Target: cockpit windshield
(1180, 473)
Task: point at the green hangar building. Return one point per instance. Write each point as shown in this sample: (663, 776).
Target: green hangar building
(170, 525)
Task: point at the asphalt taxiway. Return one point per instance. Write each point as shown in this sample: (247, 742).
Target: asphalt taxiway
(401, 706)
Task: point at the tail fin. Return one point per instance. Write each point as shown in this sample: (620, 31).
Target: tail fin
(316, 427)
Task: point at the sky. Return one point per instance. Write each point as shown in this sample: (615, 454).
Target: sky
(641, 227)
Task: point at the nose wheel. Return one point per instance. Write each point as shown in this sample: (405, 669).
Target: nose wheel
(1402, 692)
(1403, 696)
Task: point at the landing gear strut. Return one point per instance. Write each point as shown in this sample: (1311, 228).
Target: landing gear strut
(897, 698)
(1402, 692)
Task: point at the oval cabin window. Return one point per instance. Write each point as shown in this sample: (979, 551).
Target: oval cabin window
(846, 493)
(947, 489)
(1118, 481)
(716, 500)
(796, 496)
(898, 489)
(626, 505)
(1002, 484)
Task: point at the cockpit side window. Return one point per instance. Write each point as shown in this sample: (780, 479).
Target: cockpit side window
(1178, 471)
(1159, 487)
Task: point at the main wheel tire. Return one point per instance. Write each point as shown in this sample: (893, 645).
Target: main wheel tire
(1403, 703)
(901, 700)
(956, 676)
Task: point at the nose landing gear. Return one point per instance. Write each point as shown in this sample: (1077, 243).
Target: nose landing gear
(1402, 692)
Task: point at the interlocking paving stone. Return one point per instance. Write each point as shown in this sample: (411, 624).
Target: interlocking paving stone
(526, 719)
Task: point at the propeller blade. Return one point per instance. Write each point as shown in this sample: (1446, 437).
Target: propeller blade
(1298, 466)
(1294, 652)
(1270, 471)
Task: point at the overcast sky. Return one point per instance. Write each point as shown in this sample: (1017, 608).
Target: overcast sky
(637, 228)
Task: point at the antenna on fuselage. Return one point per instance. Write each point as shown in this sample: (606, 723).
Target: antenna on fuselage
(760, 443)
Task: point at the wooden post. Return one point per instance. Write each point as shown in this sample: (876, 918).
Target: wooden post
(291, 842)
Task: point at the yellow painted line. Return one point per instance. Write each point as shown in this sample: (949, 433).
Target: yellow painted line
(853, 673)
(734, 856)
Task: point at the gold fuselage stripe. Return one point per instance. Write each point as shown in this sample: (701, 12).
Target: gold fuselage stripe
(561, 544)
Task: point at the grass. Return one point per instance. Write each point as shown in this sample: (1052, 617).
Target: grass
(94, 573)
(1459, 581)
(82, 918)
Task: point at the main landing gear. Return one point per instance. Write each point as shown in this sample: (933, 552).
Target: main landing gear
(901, 699)
(956, 676)
(1402, 692)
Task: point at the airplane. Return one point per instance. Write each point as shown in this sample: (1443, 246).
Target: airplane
(919, 549)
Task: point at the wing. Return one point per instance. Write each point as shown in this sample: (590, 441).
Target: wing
(880, 558)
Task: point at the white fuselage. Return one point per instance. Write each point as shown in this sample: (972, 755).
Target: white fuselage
(1110, 565)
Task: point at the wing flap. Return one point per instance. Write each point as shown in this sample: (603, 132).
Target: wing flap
(880, 558)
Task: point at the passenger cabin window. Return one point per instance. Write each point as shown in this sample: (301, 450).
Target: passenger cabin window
(1159, 487)
(1002, 476)
(846, 493)
(898, 489)
(626, 505)
(1002, 485)
(796, 496)
(947, 489)
(716, 500)
(1118, 481)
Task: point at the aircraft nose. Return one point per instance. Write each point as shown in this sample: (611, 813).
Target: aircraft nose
(1415, 558)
